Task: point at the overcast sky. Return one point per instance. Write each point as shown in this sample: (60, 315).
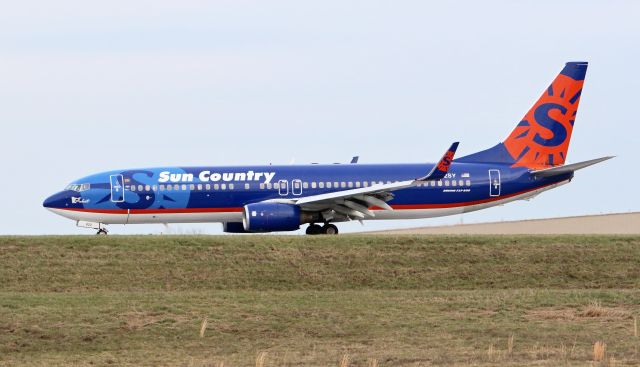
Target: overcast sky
(93, 86)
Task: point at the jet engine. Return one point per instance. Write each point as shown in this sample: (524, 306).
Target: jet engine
(271, 217)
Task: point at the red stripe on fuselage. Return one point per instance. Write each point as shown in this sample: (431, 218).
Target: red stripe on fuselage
(156, 211)
(465, 203)
(238, 210)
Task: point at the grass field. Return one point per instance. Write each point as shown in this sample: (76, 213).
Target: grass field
(319, 301)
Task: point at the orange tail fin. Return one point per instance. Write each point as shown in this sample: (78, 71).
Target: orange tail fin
(542, 138)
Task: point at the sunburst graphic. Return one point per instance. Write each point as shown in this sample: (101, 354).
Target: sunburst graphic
(541, 139)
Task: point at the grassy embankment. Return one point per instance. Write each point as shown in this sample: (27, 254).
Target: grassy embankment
(394, 301)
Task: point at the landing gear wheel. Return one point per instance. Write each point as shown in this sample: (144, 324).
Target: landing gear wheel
(314, 229)
(329, 229)
(102, 232)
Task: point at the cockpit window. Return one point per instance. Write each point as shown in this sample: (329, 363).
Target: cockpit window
(78, 187)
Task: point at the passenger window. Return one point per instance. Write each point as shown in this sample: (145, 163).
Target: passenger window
(321, 185)
(313, 185)
(216, 186)
(343, 185)
(261, 186)
(231, 186)
(305, 185)
(365, 184)
(433, 183)
(161, 187)
(336, 185)
(440, 183)
(208, 187)
(446, 183)
(468, 182)
(247, 186)
(454, 183)
(168, 187)
(140, 188)
(328, 185)
(176, 187)
(184, 187)
(270, 185)
(357, 183)
(276, 186)
(154, 188)
(199, 187)
(147, 188)
(192, 187)
(223, 186)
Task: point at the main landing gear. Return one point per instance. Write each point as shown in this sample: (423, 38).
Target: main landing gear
(102, 232)
(327, 228)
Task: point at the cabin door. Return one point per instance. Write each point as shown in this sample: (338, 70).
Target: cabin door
(117, 188)
(494, 182)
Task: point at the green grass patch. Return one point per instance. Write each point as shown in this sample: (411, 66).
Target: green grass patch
(403, 301)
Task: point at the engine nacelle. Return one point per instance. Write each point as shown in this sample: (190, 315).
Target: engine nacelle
(271, 217)
(234, 227)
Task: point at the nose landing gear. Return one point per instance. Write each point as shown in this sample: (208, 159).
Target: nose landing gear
(327, 228)
(102, 230)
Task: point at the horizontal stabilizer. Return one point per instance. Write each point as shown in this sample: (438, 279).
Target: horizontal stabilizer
(554, 171)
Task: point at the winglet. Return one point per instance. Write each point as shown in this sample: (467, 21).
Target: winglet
(442, 167)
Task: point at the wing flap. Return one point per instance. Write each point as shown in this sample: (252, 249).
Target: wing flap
(355, 203)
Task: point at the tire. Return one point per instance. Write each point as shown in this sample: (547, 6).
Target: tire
(329, 229)
(101, 232)
(314, 229)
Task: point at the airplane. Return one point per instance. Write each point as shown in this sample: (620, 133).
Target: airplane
(275, 198)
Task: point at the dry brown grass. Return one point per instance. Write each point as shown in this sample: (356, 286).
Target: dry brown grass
(203, 327)
(260, 359)
(510, 345)
(344, 361)
(491, 353)
(599, 351)
(373, 362)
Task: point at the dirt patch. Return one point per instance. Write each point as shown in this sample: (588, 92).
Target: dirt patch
(139, 320)
(593, 310)
(551, 314)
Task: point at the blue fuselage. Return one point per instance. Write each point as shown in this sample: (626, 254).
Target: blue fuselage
(218, 194)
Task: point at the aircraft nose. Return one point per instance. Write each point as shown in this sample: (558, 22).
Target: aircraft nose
(55, 201)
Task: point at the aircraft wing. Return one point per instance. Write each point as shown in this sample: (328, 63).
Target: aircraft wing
(553, 171)
(355, 203)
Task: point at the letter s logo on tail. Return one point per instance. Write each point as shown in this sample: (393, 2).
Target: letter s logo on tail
(542, 138)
